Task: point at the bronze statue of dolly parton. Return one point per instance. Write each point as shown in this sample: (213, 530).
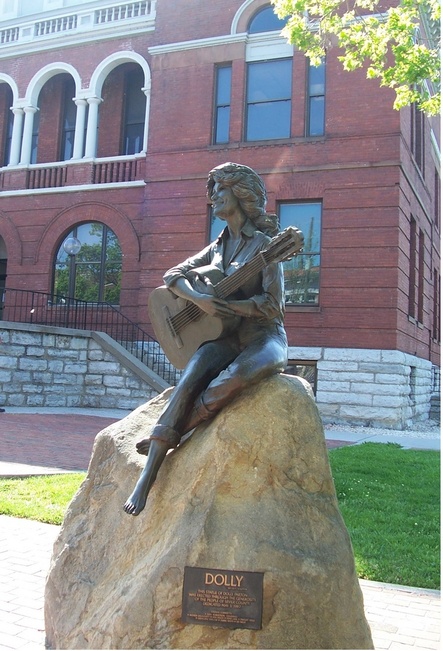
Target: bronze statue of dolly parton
(235, 282)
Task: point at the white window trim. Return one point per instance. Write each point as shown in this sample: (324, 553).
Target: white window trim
(267, 45)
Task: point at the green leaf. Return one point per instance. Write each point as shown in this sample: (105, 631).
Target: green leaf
(388, 43)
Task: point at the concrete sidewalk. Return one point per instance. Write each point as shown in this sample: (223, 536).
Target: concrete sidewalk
(426, 439)
(400, 618)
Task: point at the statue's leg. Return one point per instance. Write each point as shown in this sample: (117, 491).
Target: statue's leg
(137, 500)
(205, 364)
(262, 358)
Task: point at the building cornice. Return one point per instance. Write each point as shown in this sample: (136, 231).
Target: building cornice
(73, 188)
(270, 39)
(197, 44)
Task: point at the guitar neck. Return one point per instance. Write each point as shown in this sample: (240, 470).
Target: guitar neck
(223, 289)
(230, 284)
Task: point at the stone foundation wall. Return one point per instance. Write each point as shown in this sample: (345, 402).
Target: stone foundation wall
(377, 388)
(57, 367)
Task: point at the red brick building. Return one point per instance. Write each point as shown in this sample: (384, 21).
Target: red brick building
(111, 116)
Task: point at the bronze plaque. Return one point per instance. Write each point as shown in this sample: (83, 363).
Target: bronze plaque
(226, 598)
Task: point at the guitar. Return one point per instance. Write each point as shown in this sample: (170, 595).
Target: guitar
(181, 327)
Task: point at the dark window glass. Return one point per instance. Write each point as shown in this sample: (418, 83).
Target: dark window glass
(421, 275)
(436, 314)
(437, 199)
(134, 113)
(269, 100)
(68, 124)
(34, 140)
(417, 136)
(222, 104)
(9, 123)
(302, 273)
(265, 20)
(133, 139)
(412, 266)
(94, 274)
(112, 257)
(316, 100)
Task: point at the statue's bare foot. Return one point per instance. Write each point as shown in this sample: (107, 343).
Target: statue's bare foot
(136, 502)
(143, 446)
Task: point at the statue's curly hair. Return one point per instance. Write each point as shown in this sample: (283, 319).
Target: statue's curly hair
(250, 191)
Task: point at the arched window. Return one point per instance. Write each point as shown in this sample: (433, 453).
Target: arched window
(91, 270)
(265, 20)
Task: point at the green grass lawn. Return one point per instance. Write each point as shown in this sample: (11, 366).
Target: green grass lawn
(43, 498)
(389, 498)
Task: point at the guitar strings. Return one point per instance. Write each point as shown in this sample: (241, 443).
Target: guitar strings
(192, 312)
(225, 287)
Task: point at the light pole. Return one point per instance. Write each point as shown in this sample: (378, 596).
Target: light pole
(71, 246)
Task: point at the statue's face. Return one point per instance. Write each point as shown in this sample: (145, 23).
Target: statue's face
(224, 202)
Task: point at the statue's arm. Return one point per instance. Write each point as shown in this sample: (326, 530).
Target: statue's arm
(179, 271)
(246, 308)
(270, 302)
(207, 302)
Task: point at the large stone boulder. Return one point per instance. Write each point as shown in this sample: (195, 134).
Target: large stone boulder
(250, 491)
